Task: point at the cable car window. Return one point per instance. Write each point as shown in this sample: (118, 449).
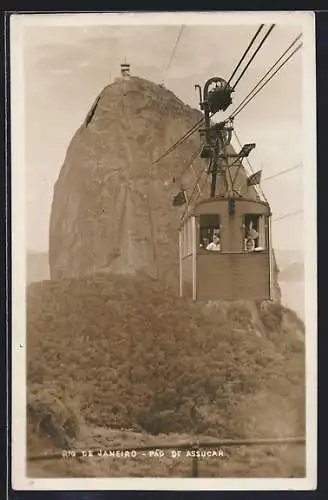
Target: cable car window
(209, 232)
(254, 229)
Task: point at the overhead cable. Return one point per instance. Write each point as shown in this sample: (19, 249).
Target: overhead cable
(254, 55)
(249, 97)
(245, 101)
(282, 172)
(192, 193)
(198, 124)
(182, 139)
(173, 53)
(288, 215)
(190, 162)
(200, 189)
(240, 108)
(269, 71)
(245, 53)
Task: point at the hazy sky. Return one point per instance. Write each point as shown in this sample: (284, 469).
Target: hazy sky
(65, 67)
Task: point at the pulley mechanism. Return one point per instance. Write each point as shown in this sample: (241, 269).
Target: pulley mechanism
(219, 97)
(216, 95)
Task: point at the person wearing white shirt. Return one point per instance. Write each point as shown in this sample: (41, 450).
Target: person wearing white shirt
(215, 244)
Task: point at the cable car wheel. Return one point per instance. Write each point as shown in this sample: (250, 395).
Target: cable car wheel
(219, 96)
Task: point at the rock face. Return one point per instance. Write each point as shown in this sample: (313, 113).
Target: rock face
(112, 206)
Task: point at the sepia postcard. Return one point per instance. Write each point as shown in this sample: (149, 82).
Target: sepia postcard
(164, 329)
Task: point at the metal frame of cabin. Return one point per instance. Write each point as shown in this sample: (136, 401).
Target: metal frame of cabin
(232, 273)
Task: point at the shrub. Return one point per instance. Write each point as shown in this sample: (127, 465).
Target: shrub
(135, 354)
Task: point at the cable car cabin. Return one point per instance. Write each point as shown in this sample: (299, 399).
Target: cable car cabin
(225, 250)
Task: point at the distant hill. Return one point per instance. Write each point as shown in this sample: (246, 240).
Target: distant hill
(37, 266)
(293, 272)
(291, 279)
(286, 258)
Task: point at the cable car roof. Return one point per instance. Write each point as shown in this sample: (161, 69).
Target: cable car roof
(219, 199)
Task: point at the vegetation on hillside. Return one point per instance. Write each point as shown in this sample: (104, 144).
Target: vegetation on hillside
(123, 352)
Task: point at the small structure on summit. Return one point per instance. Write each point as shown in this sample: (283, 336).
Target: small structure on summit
(125, 70)
(225, 240)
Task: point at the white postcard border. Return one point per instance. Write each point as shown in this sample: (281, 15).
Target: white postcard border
(19, 479)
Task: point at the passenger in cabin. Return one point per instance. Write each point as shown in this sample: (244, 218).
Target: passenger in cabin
(251, 238)
(249, 245)
(205, 243)
(215, 245)
(253, 234)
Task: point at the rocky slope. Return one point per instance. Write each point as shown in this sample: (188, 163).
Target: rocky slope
(119, 352)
